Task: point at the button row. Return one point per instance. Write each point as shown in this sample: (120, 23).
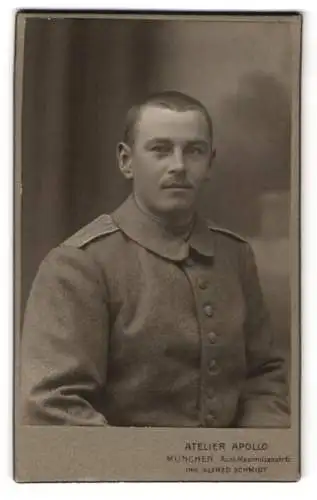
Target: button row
(213, 367)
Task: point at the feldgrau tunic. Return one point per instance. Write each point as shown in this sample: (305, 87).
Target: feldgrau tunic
(127, 325)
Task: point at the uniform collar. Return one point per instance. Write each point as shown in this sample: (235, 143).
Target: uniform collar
(150, 234)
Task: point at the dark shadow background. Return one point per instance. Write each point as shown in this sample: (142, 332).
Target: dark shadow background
(80, 78)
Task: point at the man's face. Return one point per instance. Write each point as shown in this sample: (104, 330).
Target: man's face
(169, 160)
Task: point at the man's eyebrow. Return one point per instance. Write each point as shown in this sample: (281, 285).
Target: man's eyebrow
(155, 140)
(198, 142)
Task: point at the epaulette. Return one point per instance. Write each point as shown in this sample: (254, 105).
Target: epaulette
(101, 226)
(227, 232)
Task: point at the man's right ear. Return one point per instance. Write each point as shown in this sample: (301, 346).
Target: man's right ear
(125, 160)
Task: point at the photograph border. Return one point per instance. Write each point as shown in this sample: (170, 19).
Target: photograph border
(32, 443)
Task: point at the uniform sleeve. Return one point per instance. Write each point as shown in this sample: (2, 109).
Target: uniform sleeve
(264, 400)
(64, 342)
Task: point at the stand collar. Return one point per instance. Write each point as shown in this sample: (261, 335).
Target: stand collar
(153, 236)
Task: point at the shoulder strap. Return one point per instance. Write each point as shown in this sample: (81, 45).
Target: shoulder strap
(102, 226)
(227, 232)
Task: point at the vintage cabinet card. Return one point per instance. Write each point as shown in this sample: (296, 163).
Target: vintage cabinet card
(157, 246)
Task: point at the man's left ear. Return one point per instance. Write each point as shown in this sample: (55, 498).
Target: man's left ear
(124, 160)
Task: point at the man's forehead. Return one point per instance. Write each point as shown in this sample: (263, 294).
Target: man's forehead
(164, 122)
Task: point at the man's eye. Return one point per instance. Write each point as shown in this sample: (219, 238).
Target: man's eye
(161, 149)
(195, 150)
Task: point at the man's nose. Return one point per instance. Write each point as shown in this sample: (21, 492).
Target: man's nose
(177, 162)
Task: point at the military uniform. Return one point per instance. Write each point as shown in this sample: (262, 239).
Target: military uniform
(128, 325)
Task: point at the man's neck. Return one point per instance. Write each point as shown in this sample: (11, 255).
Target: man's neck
(180, 224)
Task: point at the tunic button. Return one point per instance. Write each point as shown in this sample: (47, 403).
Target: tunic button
(208, 310)
(189, 262)
(203, 284)
(213, 367)
(210, 420)
(212, 337)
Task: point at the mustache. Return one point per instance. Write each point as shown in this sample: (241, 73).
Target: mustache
(176, 183)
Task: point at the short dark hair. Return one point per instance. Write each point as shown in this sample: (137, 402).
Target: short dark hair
(170, 99)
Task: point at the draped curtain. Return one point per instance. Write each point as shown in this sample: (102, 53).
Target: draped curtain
(80, 77)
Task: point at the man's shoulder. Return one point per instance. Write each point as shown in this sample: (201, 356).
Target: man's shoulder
(98, 229)
(226, 232)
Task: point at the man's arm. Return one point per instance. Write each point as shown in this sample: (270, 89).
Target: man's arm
(64, 342)
(264, 401)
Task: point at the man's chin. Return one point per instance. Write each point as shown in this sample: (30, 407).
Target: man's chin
(176, 206)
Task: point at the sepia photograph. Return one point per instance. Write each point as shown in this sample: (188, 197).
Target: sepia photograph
(157, 246)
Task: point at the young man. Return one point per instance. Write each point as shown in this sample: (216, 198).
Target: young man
(150, 316)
